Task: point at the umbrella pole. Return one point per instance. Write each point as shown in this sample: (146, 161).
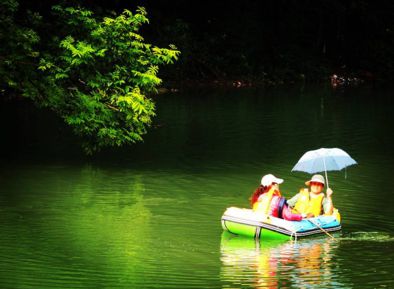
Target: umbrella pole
(325, 171)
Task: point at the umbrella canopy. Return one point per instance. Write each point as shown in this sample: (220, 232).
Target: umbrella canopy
(324, 159)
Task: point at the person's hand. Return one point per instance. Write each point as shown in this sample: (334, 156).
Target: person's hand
(329, 192)
(307, 216)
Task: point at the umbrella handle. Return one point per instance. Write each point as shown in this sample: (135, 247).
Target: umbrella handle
(325, 171)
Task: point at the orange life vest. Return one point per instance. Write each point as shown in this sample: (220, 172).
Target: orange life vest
(264, 201)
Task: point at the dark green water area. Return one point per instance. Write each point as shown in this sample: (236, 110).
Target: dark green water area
(148, 215)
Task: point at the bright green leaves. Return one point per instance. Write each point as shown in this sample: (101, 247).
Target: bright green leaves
(162, 55)
(94, 73)
(147, 79)
(78, 52)
(97, 76)
(122, 119)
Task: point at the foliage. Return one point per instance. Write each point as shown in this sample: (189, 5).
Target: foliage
(98, 75)
(17, 52)
(281, 40)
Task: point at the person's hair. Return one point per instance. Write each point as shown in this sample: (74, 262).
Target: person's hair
(258, 192)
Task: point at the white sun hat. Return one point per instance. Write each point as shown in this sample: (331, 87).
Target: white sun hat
(269, 179)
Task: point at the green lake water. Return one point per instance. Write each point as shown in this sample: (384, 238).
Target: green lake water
(148, 216)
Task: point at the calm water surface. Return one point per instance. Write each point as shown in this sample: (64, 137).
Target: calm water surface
(148, 216)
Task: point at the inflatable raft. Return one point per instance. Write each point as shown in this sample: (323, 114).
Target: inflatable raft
(249, 223)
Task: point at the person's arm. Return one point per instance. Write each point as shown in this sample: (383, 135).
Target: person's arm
(328, 206)
(287, 214)
(291, 203)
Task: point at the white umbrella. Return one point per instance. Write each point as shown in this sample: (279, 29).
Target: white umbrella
(324, 159)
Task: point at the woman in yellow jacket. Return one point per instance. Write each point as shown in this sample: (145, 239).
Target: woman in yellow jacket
(313, 202)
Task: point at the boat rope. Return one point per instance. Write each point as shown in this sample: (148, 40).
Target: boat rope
(258, 232)
(293, 234)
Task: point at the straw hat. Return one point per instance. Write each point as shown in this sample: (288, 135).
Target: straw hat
(316, 179)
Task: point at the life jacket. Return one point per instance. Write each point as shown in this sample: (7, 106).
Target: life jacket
(264, 202)
(307, 204)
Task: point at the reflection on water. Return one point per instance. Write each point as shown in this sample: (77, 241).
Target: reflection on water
(111, 224)
(85, 225)
(277, 264)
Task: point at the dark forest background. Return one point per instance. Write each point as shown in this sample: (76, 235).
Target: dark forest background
(236, 43)
(268, 41)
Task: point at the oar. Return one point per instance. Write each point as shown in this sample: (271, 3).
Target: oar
(317, 225)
